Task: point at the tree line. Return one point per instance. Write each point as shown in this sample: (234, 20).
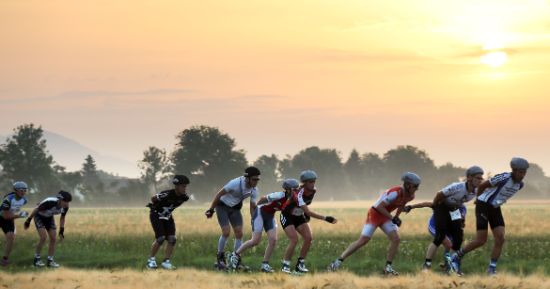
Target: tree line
(210, 158)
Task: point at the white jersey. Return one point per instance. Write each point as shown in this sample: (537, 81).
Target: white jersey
(456, 194)
(237, 191)
(503, 188)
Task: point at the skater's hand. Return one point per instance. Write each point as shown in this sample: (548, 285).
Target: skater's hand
(331, 219)
(209, 213)
(27, 224)
(407, 209)
(396, 221)
(61, 235)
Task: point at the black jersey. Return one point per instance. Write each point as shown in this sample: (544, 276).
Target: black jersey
(167, 201)
(50, 206)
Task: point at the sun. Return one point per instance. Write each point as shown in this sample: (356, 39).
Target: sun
(494, 58)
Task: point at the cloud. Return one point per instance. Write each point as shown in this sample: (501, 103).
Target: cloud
(82, 94)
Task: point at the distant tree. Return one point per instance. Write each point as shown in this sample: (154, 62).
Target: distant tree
(92, 186)
(24, 157)
(355, 174)
(326, 163)
(154, 166)
(268, 165)
(374, 170)
(209, 157)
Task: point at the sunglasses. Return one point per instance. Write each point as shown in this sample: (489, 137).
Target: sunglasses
(255, 179)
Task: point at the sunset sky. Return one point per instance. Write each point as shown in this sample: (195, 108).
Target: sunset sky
(468, 81)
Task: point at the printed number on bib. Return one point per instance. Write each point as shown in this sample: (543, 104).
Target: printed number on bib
(455, 215)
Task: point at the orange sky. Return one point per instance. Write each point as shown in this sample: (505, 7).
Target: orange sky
(278, 76)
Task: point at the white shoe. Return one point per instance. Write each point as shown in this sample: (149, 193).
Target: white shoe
(333, 267)
(167, 265)
(152, 264)
(234, 261)
(301, 267)
(52, 264)
(38, 262)
(286, 268)
(390, 271)
(266, 268)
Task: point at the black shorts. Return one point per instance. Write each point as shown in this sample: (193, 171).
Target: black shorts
(296, 221)
(162, 227)
(7, 225)
(445, 226)
(487, 214)
(47, 223)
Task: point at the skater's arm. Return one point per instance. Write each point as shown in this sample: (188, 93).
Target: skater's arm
(29, 219)
(439, 198)
(485, 185)
(381, 208)
(311, 213)
(210, 212)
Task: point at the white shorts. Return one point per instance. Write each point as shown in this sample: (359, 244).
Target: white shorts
(387, 227)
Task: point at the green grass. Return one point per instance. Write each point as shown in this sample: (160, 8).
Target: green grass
(522, 255)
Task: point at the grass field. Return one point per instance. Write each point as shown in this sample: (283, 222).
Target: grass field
(103, 241)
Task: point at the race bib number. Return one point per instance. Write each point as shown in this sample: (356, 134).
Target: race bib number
(455, 215)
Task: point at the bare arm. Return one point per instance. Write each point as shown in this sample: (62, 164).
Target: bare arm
(217, 198)
(381, 208)
(29, 219)
(485, 185)
(253, 207)
(439, 198)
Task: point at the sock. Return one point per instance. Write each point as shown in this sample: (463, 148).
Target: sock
(50, 258)
(388, 263)
(166, 259)
(221, 244)
(341, 260)
(493, 263)
(152, 258)
(37, 256)
(286, 262)
(428, 262)
(238, 243)
(301, 260)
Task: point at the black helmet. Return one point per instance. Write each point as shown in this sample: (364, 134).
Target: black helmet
(180, 180)
(64, 196)
(251, 172)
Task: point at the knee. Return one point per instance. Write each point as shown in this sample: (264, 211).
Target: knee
(10, 237)
(395, 239)
(272, 241)
(238, 234)
(481, 240)
(172, 240)
(499, 240)
(308, 239)
(363, 240)
(42, 239)
(293, 240)
(160, 240)
(225, 233)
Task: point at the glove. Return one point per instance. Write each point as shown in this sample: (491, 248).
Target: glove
(61, 231)
(407, 209)
(396, 221)
(330, 219)
(209, 213)
(23, 214)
